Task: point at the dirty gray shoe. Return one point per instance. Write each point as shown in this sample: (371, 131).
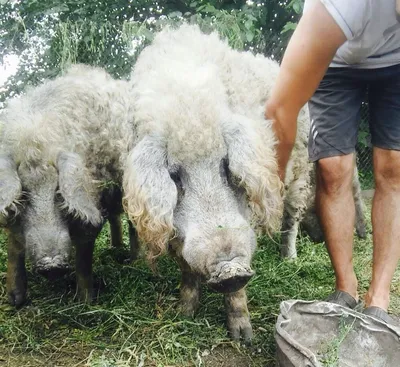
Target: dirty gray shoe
(379, 313)
(344, 299)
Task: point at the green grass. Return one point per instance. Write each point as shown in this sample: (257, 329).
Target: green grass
(134, 320)
(330, 351)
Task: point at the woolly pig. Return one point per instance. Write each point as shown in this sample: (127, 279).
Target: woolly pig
(203, 173)
(60, 154)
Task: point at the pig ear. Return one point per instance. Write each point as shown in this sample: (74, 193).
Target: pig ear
(150, 195)
(253, 162)
(77, 188)
(10, 187)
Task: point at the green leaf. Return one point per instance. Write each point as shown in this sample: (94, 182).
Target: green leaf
(208, 8)
(363, 138)
(297, 7)
(57, 9)
(147, 34)
(175, 14)
(249, 36)
(248, 24)
(289, 26)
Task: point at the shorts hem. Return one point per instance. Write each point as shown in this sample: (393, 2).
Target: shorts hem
(386, 146)
(331, 153)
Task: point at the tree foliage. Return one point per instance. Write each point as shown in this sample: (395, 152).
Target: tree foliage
(48, 35)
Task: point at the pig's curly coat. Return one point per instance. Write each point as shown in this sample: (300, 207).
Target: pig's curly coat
(225, 90)
(84, 112)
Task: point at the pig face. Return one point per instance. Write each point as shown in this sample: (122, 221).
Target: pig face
(33, 202)
(212, 222)
(208, 202)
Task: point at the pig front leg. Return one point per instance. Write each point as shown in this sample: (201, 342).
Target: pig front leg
(238, 317)
(84, 239)
(16, 272)
(133, 242)
(84, 278)
(361, 226)
(290, 228)
(189, 289)
(310, 224)
(116, 230)
(297, 197)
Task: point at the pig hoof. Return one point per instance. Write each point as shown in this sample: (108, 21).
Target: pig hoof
(230, 279)
(17, 297)
(188, 309)
(288, 254)
(84, 296)
(315, 236)
(361, 232)
(122, 257)
(240, 327)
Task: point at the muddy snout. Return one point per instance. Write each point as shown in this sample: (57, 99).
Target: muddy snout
(231, 277)
(52, 267)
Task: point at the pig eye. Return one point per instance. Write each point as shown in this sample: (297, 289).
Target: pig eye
(58, 199)
(224, 170)
(175, 176)
(12, 215)
(227, 176)
(24, 199)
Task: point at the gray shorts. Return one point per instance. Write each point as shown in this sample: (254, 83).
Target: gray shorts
(335, 110)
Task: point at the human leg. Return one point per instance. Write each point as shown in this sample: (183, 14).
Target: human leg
(335, 111)
(385, 223)
(336, 210)
(384, 104)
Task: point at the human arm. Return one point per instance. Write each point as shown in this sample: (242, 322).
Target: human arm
(308, 55)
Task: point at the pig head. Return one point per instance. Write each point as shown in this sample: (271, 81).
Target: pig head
(34, 200)
(206, 204)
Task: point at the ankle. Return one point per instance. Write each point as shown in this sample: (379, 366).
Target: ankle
(377, 299)
(349, 285)
(353, 292)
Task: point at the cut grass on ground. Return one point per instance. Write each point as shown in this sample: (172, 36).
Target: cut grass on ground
(134, 320)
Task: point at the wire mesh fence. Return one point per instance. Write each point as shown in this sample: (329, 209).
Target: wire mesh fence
(275, 49)
(364, 150)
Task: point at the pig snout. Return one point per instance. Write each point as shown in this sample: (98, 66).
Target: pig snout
(49, 249)
(230, 277)
(52, 267)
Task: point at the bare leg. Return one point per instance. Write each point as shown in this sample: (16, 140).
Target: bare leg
(189, 290)
(385, 223)
(335, 205)
(238, 318)
(133, 242)
(116, 231)
(16, 272)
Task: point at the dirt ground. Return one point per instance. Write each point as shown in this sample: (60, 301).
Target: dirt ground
(224, 356)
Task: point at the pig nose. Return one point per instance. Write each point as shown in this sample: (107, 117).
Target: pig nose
(52, 267)
(231, 278)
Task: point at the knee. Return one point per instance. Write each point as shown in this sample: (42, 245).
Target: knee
(335, 174)
(387, 170)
